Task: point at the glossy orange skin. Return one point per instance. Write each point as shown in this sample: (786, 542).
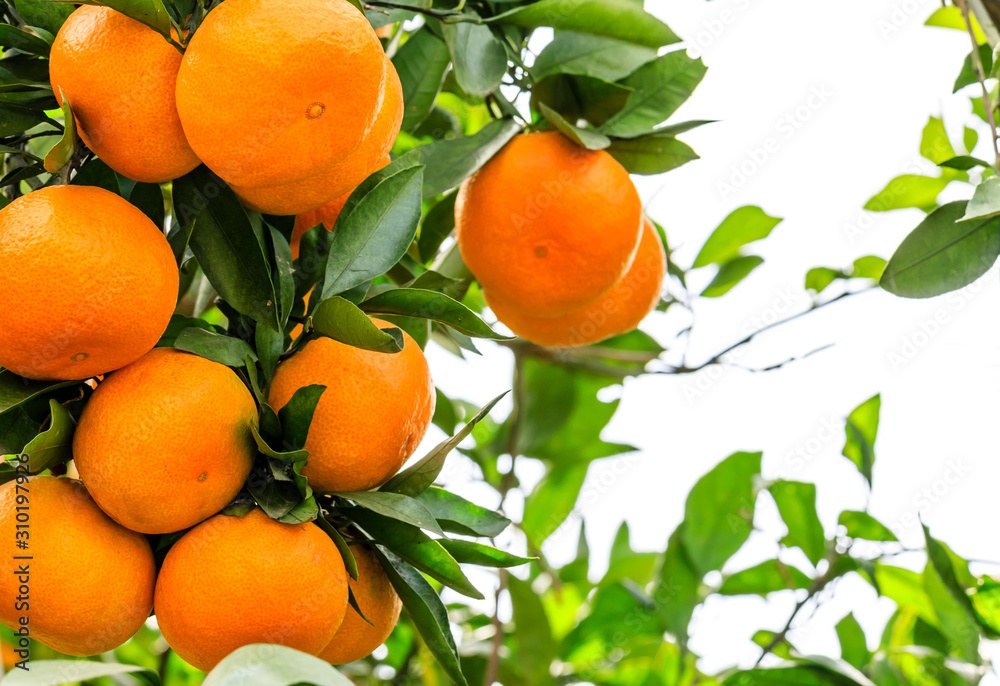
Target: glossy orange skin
(547, 225)
(372, 416)
(89, 283)
(165, 442)
(371, 155)
(356, 638)
(618, 311)
(119, 77)
(90, 580)
(235, 581)
(273, 92)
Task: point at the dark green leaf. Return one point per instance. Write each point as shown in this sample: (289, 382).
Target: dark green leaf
(350, 563)
(622, 19)
(789, 676)
(468, 552)
(273, 665)
(718, 514)
(449, 162)
(743, 226)
(297, 414)
(730, 274)
(580, 97)
(15, 390)
(651, 154)
(270, 344)
(226, 350)
(863, 525)
(457, 515)
(853, 644)
(658, 89)
(285, 456)
(376, 233)
(54, 445)
(589, 55)
(436, 226)
(418, 302)
(152, 13)
(13, 37)
(796, 502)
(43, 13)
(421, 63)
(861, 429)
(396, 506)
(767, 577)
(478, 56)
(342, 321)
(967, 76)
(148, 197)
(585, 138)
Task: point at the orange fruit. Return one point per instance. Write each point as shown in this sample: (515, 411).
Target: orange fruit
(165, 442)
(8, 656)
(235, 581)
(373, 154)
(548, 226)
(119, 77)
(618, 311)
(89, 581)
(278, 91)
(326, 215)
(88, 282)
(373, 414)
(377, 599)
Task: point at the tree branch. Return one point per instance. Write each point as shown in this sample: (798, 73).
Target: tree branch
(977, 66)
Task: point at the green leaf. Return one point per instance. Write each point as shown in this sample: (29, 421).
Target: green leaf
(457, 515)
(862, 428)
(770, 576)
(536, 647)
(226, 350)
(551, 502)
(396, 506)
(297, 414)
(421, 63)
(986, 601)
(229, 248)
(969, 139)
(967, 75)
(62, 152)
(426, 304)
(868, 267)
(651, 154)
(622, 19)
(585, 138)
(743, 226)
(424, 606)
(417, 478)
(43, 13)
(152, 13)
(730, 274)
(658, 89)
(955, 618)
(54, 445)
(449, 162)
(788, 676)
(16, 391)
(342, 321)
(414, 546)
(285, 456)
(964, 162)
(853, 644)
(584, 54)
(818, 278)
(13, 37)
(718, 514)
(934, 144)
(478, 56)
(376, 233)
(943, 253)
(862, 525)
(985, 202)
(148, 197)
(796, 502)
(580, 97)
(263, 664)
(952, 570)
(469, 552)
(950, 17)
(59, 672)
(908, 190)
(677, 591)
(436, 227)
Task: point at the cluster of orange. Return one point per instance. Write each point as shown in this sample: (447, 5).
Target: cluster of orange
(555, 235)
(164, 443)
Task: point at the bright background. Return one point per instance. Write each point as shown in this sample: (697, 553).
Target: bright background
(880, 73)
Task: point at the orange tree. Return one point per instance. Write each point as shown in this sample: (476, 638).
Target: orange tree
(265, 296)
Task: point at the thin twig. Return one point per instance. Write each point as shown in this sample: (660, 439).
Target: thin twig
(977, 65)
(818, 585)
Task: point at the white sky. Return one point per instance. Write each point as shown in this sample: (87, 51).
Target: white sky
(766, 58)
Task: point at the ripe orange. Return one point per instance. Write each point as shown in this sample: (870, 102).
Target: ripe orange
(373, 154)
(620, 310)
(234, 581)
(119, 76)
(165, 442)
(274, 92)
(89, 584)
(326, 215)
(373, 414)
(88, 282)
(548, 226)
(377, 599)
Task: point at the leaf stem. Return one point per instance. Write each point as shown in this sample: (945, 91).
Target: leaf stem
(977, 65)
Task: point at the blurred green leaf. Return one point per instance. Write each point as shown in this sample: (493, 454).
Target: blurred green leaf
(743, 226)
(469, 552)
(862, 428)
(770, 576)
(862, 525)
(964, 162)
(421, 63)
(934, 144)
(458, 515)
(853, 644)
(585, 54)
(908, 190)
(730, 274)
(796, 502)
(273, 665)
(677, 588)
(818, 278)
(536, 648)
(56, 673)
(551, 502)
(342, 321)
(790, 676)
(396, 506)
(658, 89)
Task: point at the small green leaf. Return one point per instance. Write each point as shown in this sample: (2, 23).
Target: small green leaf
(862, 525)
(908, 190)
(62, 152)
(396, 506)
(551, 502)
(730, 274)
(426, 304)
(585, 54)
(421, 63)
(950, 17)
(468, 552)
(868, 267)
(297, 414)
(457, 515)
(985, 202)
(796, 502)
(967, 76)
(226, 350)
(54, 445)
(964, 162)
(853, 644)
(449, 162)
(342, 321)
(478, 57)
(743, 226)
(934, 144)
(943, 253)
(585, 138)
(654, 153)
(285, 456)
(273, 665)
(767, 577)
(818, 278)
(59, 672)
(862, 428)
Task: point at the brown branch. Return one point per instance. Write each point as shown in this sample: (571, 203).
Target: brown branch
(977, 66)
